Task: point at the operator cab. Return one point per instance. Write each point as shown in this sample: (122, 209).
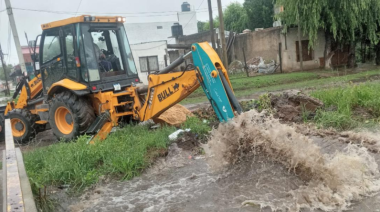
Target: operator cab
(93, 51)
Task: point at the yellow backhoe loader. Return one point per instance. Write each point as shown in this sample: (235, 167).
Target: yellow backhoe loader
(87, 83)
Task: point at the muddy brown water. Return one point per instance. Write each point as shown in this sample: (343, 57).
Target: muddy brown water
(183, 182)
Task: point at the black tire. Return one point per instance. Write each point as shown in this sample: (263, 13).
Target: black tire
(81, 115)
(2, 132)
(24, 123)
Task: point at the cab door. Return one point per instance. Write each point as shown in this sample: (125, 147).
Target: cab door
(51, 57)
(57, 56)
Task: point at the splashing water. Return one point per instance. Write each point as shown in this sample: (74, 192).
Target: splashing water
(333, 181)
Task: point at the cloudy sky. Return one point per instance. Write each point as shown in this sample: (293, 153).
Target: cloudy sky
(30, 14)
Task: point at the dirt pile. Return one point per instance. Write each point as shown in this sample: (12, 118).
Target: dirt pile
(205, 113)
(293, 105)
(332, 181)
(174, 116)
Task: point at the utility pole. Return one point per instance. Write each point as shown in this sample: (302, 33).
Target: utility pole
(222, 36)
(5, 71)
(15, 35)
(212, 31)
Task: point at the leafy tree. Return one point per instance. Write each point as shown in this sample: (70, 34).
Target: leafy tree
(201, 25)
(235, 17)
(206, 26)
(8, 70)
(343, 21)
(260, 13)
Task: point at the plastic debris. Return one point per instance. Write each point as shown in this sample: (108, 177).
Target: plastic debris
(174, 135)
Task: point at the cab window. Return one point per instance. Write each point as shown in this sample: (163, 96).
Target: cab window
(70, 53)
(52, 46)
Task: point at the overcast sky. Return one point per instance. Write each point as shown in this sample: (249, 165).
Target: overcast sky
(135, 11)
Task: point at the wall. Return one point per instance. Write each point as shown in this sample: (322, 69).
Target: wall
(262, 43)
(148, 32)
(189, 22)
(265, 44)
(156, 48)
(197, 38)
(289, 55)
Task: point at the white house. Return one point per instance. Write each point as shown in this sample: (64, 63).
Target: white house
(149, 40)
(149, 57)
(155, 31)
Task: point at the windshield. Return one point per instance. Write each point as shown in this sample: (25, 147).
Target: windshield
(107, 52)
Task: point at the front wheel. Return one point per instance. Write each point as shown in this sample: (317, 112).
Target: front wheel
(23, 125)
(69, 115)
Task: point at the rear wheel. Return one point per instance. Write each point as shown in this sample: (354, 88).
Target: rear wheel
(23, 125)
(69, 115)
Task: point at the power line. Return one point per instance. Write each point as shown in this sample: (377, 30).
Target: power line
(135, 14)
(78, 7)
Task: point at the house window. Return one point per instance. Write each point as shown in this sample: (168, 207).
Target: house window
(159, 27)
(307, 54)
(149, 64)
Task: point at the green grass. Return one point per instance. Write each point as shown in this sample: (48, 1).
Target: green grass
(124, 155)
(197, 126)
(241, 82)
(244, 86)
(78, 164)
(341, 104)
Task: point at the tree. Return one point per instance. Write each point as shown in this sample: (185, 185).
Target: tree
(8, 69)
(343, 21)
(260, 13)
(206, 26)
(201, 26)
(235, 18)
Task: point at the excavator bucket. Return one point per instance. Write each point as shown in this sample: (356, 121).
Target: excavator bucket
(215, 82)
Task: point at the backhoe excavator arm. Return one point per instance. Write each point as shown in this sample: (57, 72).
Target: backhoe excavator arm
(167, 89)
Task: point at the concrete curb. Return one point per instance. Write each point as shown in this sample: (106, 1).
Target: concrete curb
(27, 194)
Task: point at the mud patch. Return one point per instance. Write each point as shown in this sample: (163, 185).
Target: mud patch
(189, 141)
(332, 181)
(293, 105)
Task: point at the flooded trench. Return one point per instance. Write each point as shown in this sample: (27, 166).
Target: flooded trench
(182, 182)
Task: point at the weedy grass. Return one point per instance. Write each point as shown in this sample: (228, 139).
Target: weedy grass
(124, 155)
(349, 106)
(242, 82)
(78, 164)
(197, 126)
(245, 86)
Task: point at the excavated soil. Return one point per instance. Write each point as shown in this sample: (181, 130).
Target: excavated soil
(290, 105)
(174, 116)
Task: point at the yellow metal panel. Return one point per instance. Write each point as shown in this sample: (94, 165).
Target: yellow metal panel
(41, 122)
(69, 84)
(80, 19)
(103, 132)
(166, 90)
